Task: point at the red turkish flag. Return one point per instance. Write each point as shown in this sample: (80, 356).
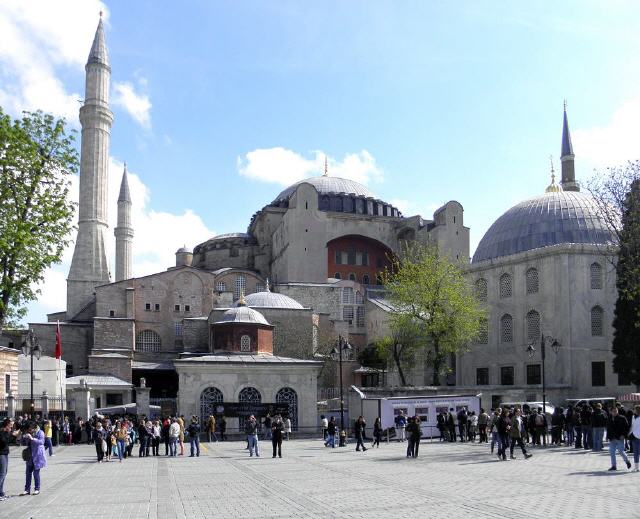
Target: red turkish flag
(58, 341)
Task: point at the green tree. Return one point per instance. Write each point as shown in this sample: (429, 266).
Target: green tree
(434, 303)
(37, 158)
(626, 323)
(401, 345)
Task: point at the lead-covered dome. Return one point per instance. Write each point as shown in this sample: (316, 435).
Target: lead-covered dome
(271, 300)
(242, 314)
(325, 185)
(554, 218)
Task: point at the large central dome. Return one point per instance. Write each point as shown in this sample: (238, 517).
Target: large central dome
(325, 185)
(553, 218)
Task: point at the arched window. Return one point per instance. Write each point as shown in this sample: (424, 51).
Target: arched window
(245, 343)
(596, 276)
(505, 286)
(483, 333)
(286, 395)
(352, 276)
(506, 329)
(240, 285)
(250, 394)
(597, 318)
(481, 289)
(221, 286)
(532, 281)
(533, 326)
(365, 279)
(209, 399)
(337, 275)
(148, 341)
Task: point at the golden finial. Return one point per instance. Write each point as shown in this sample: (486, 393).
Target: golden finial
(326, 167)
(553, 187)
(241, 301)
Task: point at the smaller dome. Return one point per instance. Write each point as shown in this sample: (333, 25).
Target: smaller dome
(553, 187)
(271, 300)
(242, 314)
(182, 250)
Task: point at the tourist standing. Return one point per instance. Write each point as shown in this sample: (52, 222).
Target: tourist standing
(517, 427)
(359, 432)
(377, 432)
(331, 433)
(181, 437)
(617, 430)
(277, 428)
(100, 441)
(635, 442)
(451, 424)
(557, 426)
(483, 421)
(267, 427)
(6, 434)
(156, 431)
(587, 427)
(35, 458)
(48, 437)
(211, 428)
(251, 428)
(598, 426)
(493, 426)
(401, 424)
(194, 437)
(503, 426)
(174, 434)
(165, 435)
(143, 438)
(121, 439)
(223, 428)
(324, 423)
(463, 419)
(287, 427)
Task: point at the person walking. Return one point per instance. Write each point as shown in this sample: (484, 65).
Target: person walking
(324, 423)
(359, 432)
(211, 429)
(517, 427)
(194, 437)
(251, 429)
(493, 426)
(174, 434)
(331, 433)
(617, 430)
(34, 457)
(377, 432)
(598, 426)
(121, 439)
(277, 428)
(483, 421)
(48, 436)
(414, 433)
(635, 438)
(100, 441)
(503, 426)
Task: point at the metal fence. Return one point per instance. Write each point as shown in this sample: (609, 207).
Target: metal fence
(42, 405)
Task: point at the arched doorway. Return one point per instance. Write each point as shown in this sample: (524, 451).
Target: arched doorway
(249, 395)
(209, 399)
(286, 395)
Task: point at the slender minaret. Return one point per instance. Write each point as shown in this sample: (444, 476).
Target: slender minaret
(89, 267)
(124, 231)
(567, 157)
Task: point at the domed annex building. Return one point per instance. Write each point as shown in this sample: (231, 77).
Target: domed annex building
(543, 271)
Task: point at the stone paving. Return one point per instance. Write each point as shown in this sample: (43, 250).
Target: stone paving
(447, 480)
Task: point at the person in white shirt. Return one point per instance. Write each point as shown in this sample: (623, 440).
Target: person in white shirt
(635, 441)
(324, 424)
(174, 434)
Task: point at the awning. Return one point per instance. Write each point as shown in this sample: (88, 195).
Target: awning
(629, 397)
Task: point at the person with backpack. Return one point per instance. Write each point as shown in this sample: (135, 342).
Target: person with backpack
(331, 433)
(34, 457)
(359, 433)
(516, 430)
(540, 425)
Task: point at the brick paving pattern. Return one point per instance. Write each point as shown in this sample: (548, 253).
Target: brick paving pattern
(456, 480)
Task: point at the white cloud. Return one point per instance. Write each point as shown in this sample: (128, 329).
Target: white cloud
(136, 104)
(614, 143)
(285, 167)
(38, 39)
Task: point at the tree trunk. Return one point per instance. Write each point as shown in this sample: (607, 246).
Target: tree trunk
(397, 354)
(437, 363)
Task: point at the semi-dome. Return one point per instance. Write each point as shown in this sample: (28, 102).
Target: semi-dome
(271, 300)
(325, 185)
(242, 314)
(554, 218)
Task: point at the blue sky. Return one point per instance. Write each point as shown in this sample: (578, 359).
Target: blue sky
(219, 105)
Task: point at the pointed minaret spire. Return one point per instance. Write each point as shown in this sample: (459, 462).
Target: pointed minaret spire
(268, 289)
(89, 266)
(124, 231)
(326, 167)
(553, 187)
(568, 181)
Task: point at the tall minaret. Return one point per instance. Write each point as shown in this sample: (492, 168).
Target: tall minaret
(568, 181)
(124, 231)
(89, 267)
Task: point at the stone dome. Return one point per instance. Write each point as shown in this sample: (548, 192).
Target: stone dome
(271, 300)
(242, 314)
(554, 218)
(325, 185)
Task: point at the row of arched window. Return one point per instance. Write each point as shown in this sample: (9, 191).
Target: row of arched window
(532, 282)
(533, 326)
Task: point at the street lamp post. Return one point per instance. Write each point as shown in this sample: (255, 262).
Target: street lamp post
(555, 345)
(31, 346)
(343, 345)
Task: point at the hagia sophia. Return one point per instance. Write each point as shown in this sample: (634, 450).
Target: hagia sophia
(239, 318)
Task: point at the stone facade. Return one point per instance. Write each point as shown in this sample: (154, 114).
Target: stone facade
(9, 370)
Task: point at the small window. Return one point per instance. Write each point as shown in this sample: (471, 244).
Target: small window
(157, 307)
(533, 326)
(179, 329)
(187, 308)
(176, 308)
(221, 286)
(597, 317)
(148, 341)
(351, 257)
(347, 295)
(147, 306)
(245, 343)
(347, 313)
(483, 332)
(507, 375)
(7, 383)
(360, 316)
(481, 289)
(598, 374)
(506, 288)
(365, 258)
(506, 329)
(337, 275)
(532, 281)
(112, 313)
(482, 376)
(534, 374)
(596, 276)
(338, 257)
(365, 279)
(352, 276)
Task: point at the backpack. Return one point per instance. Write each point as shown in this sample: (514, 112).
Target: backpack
(539, 420)
(27, 455)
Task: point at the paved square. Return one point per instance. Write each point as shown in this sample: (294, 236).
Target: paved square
(448, 480)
